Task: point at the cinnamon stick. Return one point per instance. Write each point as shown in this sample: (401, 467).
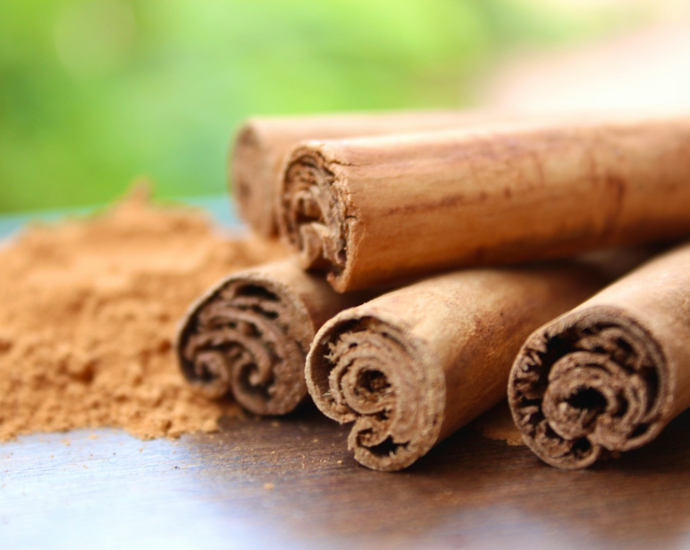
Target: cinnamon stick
(262, 144)
(372, 210)
(250, 334)
(610, 375)
(414, 365)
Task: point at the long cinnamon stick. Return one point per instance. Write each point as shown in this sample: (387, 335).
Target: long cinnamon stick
(609, 375)
(414, 365)
(250, 334)
(371, 210)
(262, 144)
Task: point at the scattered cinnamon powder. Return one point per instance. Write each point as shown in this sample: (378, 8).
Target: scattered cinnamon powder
(498, 424)
(88, 311)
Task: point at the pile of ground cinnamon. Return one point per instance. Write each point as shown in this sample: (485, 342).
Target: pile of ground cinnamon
(88, 311)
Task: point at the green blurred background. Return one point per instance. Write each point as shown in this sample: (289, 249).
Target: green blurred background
(94, 93)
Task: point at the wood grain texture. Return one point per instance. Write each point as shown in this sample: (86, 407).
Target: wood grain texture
(292, 484)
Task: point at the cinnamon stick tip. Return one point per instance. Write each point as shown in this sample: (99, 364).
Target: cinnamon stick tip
(210, 380)
(248, 336)
(364, 368)
(591, 383)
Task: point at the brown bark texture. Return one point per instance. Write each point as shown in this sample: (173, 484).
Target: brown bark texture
(609, 375)
(372, 210)
(262, 143)
(414, 365)
(249, 335)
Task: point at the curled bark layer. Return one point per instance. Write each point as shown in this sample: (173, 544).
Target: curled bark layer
(373, 210)
(262, 143)
(608, 376)
(412, 366)
(250, 334)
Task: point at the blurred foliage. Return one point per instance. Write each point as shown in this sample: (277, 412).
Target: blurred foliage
(95, 92)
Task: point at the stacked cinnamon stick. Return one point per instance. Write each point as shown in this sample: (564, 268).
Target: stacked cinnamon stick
(399, 311)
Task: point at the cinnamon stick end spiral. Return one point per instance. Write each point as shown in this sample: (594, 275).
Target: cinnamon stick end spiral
(249, 337)
(365, 370)
(591, 384)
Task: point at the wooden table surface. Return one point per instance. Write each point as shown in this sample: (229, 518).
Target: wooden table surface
(291, 483)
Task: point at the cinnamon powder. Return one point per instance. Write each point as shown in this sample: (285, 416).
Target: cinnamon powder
(88, 311)
(498, 424)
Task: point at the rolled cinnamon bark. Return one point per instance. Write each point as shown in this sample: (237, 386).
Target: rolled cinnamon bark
(250, 334)
(609, 375)
(372, 210)
(262, 144)
(414, 365)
